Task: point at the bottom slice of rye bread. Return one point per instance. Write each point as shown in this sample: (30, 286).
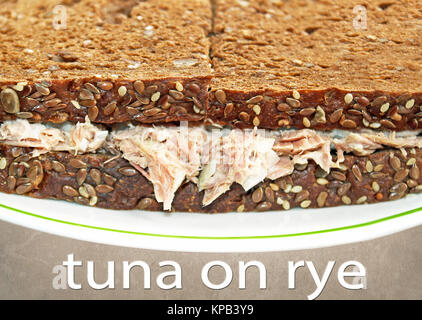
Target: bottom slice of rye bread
(104, 181)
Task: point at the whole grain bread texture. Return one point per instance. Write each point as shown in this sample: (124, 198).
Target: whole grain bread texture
(317, 64)
(106, 181)
(113, 60)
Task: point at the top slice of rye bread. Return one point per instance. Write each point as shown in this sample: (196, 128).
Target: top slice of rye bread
(114, 60)
(317, 64)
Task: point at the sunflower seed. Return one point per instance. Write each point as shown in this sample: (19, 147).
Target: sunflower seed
(399, 188)
(414, 172)
(342, 190)
(70, 191)
(128, 171)
(144, 203)
(322, 197)
(42, 89)
(10, 100)
(264, 206)
(176, 94)
(307, 111)
(255, 100)
(139, 86)
(379, 101)
(336, 115)
(387, 123)
(395, 163)
(11, 182)
(24, 188)
(283, 107)
(228, 109)
(105, 85)
(81, 200)
(220, 95)
(109, 179)
(93, 113)
(76, 163)
(257, 195)
(338, 175)
(109, 109)
(57, 166)
(81, 176)
(401, 175)
(411, 183)
(35, 172)
(90, 189)
(303, 195)
(269, 194)
(85, 94)
(294, 103)
(92, 88)
(22, 180)
(349, 124)
(95, 174)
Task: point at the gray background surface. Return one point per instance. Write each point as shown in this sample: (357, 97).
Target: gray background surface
(27, 258)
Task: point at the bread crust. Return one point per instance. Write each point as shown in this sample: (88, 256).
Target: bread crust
(107, 101)
(325, 110)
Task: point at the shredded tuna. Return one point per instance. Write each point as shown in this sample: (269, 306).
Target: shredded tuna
(366, 143)
(245, 157)
(304, 145)
(162, 155)
(82, 138)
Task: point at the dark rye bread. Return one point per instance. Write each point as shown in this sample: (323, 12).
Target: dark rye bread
(115, 60)
(299, 63)
(105, 181)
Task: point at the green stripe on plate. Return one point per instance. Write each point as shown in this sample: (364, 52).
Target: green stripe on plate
(216, 238)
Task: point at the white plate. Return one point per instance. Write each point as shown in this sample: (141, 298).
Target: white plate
(233, 232)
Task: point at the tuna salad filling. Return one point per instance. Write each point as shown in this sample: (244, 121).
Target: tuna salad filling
(213, 160)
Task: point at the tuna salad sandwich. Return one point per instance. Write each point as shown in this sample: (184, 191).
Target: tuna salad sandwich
(211, 106)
